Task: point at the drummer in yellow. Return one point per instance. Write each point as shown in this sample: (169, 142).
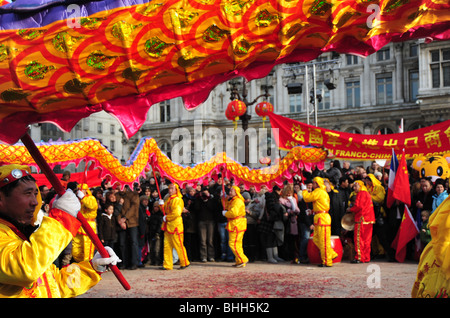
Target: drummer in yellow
(322, 220)
(82, 246)
(30, 241)
(173, 228)
(237, 225)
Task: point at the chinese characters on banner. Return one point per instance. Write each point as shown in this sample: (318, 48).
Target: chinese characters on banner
(426, 141)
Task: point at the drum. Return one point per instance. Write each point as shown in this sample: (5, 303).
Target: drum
(314, 254)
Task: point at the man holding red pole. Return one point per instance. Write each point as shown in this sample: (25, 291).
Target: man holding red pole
(30, 242)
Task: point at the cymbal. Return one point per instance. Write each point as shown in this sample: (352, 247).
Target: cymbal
(348, 221)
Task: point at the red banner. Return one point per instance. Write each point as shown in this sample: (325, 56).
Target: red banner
(91, 178)
(428, 141)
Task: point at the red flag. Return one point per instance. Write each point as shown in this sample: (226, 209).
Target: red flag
(402, 190)
(392, 172)
(407, 231)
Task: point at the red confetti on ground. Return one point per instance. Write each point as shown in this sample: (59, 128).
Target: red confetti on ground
(263, 280)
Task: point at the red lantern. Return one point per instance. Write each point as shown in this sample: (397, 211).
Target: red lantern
(265, 160)
(235, 109)
(263, 109)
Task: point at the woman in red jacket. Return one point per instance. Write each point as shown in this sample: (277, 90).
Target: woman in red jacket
(364, 220)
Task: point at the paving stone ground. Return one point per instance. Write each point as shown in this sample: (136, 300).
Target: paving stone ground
(219, 280)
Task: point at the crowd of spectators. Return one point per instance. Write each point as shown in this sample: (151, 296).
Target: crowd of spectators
(279, 222)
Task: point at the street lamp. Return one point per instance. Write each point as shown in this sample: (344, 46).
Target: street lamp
(245, 118)
(292, 71)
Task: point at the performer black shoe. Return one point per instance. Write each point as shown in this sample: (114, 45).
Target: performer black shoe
(356, 261)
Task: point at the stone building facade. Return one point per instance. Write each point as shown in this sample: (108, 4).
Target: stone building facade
(405, 82)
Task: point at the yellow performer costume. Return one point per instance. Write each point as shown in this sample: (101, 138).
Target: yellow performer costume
(236, 226)
(433, 272)
(322, 220)
(26, 262)
(82, 246)
(376, 191)
(174, 230)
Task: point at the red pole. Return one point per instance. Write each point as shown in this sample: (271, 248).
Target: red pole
(224, 169)
(53, 179)
(156, 182)
(157, 187)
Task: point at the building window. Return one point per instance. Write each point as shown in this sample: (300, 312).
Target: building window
(164, 108)
(112, 129)
(50, 132)
(417, 126)
(323, 96)
(440, 68)
(99, 128)
(270, 91)
(385, 131)
(384, 88)
(295, 103)
(351, 59)
(413, 50)
(112, 144)
(166, 148)
(384, 54)
(86, 124)
(353, 130)
(413, 84)
(353, 90)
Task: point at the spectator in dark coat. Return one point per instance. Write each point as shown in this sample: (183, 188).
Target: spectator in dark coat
(156, 235)
(107, 232)
(205, 207)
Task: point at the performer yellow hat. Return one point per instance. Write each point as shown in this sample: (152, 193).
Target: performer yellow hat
(374, 179)
(84, 186)
(362, 185)
(331, 185)
(11, 173)
(319, 182)
(178, 192)
(238, 193)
